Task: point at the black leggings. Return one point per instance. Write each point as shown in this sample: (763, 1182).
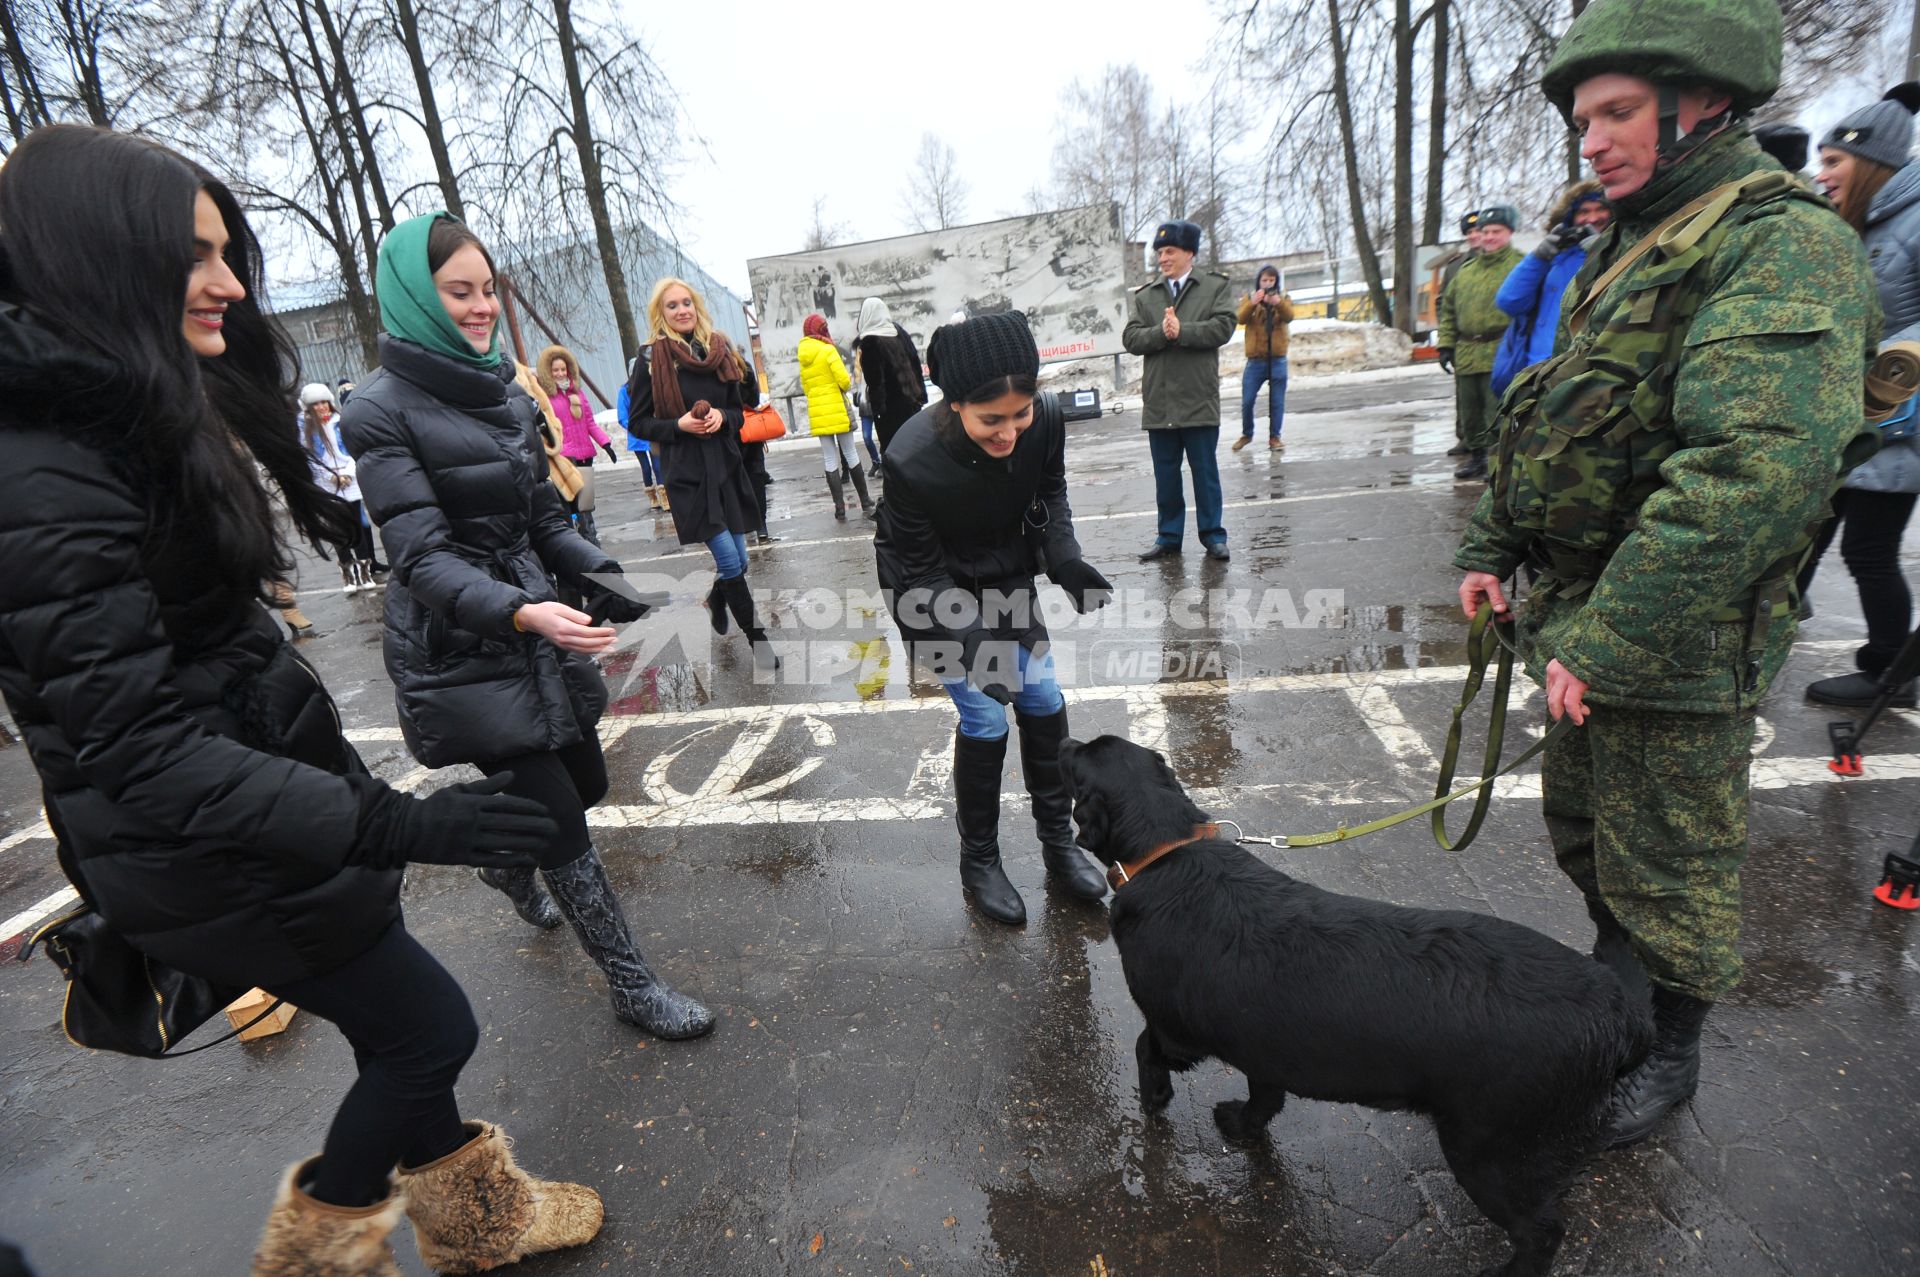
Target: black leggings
(566, 782)
(1870, 525)
(412, 1032)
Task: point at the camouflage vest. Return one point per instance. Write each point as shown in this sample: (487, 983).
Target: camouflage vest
(1585, 432)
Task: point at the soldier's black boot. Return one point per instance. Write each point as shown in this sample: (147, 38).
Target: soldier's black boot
(1040, 739)
(1474, 467)
(977, 765)
(1667, 1077)
(529, 901)
(639, 996)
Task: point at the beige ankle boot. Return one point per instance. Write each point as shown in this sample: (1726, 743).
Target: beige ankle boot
(309, 1238)
(474, 1210)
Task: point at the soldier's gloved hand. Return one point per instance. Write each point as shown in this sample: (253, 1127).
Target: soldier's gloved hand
(470, 824)
(993, 667)
(1089, 590)
(1446, 360)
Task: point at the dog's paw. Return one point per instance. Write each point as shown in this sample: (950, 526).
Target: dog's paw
(1231, 1117)
(1157, 1094)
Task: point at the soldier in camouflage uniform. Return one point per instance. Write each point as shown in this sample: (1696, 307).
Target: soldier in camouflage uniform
(1663, 474)
(1470, 330)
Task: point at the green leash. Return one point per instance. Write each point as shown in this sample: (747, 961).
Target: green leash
(1484, 639)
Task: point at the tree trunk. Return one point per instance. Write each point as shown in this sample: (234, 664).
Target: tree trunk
(429, 108)
(593, 183)
(351, 162)
(1573, 136)
(341, 241)
(356, 116)
(30, 111)
(1403, 165)
(1437, 125)
(1362, 239)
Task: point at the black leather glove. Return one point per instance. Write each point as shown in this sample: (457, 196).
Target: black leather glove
(1083, 583)
(470, 824)
(1559, 240)
(1446, 360)
(611, 598)
(993, 683)
(612, 460)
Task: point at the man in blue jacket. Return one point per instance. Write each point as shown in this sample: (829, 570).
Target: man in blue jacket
(1532, 290)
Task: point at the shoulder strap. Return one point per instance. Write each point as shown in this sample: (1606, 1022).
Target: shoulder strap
(1685, 229)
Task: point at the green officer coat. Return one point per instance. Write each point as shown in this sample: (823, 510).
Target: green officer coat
(1712, 467)
(1469, 321)
(1181, 382)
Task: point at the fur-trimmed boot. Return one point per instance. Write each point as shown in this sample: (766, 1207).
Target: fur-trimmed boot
(474, 1210)
(1040, 738)
(309, 1238)
(520, 885)
(977, 765)
(639, 997)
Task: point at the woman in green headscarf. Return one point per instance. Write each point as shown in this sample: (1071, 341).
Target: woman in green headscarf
(488, 666)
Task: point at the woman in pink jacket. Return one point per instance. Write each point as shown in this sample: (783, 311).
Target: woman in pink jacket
(559, 374)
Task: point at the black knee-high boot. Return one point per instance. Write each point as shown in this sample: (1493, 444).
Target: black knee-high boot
(839, 491)
(739, 596)
(639, 997)
(860, 489)
(977, 765)
(1040, 739)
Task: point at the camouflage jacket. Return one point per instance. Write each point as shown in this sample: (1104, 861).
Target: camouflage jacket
(1469, 321)
(1698, 464)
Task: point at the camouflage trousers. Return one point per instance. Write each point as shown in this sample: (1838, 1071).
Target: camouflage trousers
(1473, 409)
(1647, 813)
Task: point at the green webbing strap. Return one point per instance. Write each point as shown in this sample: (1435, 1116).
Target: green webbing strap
(1482, 640)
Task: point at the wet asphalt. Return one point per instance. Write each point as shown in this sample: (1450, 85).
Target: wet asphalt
(897, 1085)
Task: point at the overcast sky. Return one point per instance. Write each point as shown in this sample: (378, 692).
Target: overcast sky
(845, 119)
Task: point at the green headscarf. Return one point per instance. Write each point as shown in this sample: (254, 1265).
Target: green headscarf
(410, 305)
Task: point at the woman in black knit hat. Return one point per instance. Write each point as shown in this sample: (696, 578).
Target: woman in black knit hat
(975, 508)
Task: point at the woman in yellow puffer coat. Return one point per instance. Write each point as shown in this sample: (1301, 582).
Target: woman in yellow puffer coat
(825, 379)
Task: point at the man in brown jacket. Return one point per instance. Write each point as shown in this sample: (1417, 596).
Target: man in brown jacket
(1265, 313)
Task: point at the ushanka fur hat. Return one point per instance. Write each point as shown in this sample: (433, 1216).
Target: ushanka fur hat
(1177, 235)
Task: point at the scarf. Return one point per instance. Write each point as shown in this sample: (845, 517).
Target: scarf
(410, 306)
(671, 354)
(815, 326)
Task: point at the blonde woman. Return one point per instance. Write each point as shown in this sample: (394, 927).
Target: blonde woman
(687, 398)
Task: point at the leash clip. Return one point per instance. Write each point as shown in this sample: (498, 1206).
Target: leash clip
(1241, 836)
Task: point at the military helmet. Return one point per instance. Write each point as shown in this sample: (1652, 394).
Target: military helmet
(1731, 44)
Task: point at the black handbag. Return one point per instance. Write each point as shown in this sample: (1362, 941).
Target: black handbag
(119, 999)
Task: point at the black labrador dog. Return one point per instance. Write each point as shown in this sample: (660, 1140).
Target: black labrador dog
(1507, 1039)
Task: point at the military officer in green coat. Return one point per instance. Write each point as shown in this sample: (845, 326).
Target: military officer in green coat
(1471, 327)
(1663, 474)
(1179, 322)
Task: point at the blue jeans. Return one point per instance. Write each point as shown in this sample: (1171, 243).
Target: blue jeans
(1198, 444)
(866, 432)
(983, 718)
(648, 474)
(729, 551)
(1271, 373)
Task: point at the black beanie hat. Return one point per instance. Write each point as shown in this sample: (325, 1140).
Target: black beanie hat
(965, 356)
(1177, 235)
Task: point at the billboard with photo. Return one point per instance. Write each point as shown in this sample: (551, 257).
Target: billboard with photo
(1067, 270)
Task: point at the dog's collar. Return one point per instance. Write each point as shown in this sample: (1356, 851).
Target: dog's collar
(1120, 873)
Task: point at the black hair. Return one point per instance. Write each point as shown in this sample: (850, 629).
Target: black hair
(945, 418)
(447, 236)
(96, 229)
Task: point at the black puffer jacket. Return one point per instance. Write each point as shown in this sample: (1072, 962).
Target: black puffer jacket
(707, 483)
(191, 764)
(451, 468)
(895, 391)
(954, 517)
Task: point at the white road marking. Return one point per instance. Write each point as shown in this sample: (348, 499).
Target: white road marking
(32, 914)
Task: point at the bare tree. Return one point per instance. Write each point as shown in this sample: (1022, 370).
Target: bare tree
(824, 234)
(112, 63)
(935, 196)
(1106, 146)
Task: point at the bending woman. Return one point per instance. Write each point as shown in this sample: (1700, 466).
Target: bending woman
(208, 807)
(488, 667)
(686, 397)
(966, 481)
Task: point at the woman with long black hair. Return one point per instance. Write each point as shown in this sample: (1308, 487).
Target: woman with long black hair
(488, 666)
(975, 508)
(207, 805)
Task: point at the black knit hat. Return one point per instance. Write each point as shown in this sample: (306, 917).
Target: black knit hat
(975, 352)
(1177, 235)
